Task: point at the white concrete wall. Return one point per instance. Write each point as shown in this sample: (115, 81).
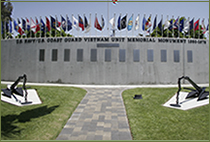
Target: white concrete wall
(18, 58)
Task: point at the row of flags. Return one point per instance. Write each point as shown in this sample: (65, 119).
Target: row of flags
(83, 23)
(181, 25)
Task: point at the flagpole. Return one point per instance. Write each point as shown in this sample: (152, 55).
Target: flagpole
(114, 24)
(167, 27)
(89, 23)
(78, 26)
(193, 29)
(144, 25)
(188, 25)
(67, 32)
(102, 26)
(132, 25)
(94, 25)
(199, 28)
(126, 28)
(173, 26)
(120, 26)
(149, 25)
(139, 26)
(108, 17)
(72, 24)
(30, 28)
(162, 25)
(178, 28)
(46, 27)
(156, 26)
(40, 26)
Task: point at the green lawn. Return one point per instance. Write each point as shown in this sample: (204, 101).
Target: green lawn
(40, 122)
(149, 120)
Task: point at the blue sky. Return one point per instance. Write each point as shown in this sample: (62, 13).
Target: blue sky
(194, 10)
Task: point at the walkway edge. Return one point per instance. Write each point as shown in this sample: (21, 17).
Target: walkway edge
(109, 86)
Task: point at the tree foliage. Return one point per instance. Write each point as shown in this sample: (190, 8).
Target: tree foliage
(6, 10)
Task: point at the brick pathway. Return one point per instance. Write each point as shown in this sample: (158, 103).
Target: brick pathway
(100, 115)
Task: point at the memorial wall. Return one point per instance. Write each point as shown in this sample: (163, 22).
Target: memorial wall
(105, 60)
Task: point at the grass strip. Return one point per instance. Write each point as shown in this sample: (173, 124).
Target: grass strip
(149, 120)
(40, 122)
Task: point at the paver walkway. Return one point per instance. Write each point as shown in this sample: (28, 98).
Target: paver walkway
(100, 115)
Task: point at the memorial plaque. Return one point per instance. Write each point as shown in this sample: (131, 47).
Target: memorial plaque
(79, 55)
(41, 54)
(122, 55)
(108, 45)
(66, 55)
(150, 55)
(176, 56)
(189, 56)
(54, 54)
(107, 55)
(163, 54)
(93, 56)
(136, 57)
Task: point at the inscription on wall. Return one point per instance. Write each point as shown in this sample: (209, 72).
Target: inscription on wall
(109, 40)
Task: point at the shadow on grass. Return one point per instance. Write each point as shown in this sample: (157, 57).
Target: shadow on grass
(8, 127)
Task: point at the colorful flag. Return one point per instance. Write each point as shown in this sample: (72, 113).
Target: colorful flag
(37, 26)
(57, 24)
(186, 25)
(176, 24)
(48, 24)
(85, 22)
(167, 24)
(181, 25)
(24, 24)
(114, 2)
(10, 26)
(97, 25)
(196, 25)
(137, 25)
(63, 23)
(19, 23)
(154, 25)
(75, 23)
(69, 24)
(32, 25)
(81, 25)
(102, 22)
(118, 23)
(171, 24)
(207, 27)
(191, 24)
(52, 22)
(144, 23)
(203, 27)
(112, 22)
(123, 22)
(27, 25)
(148, 23)
(17, 28)
(130, 23)
(15, 25)
(160, 25)
(42, 26)
(88, 26)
